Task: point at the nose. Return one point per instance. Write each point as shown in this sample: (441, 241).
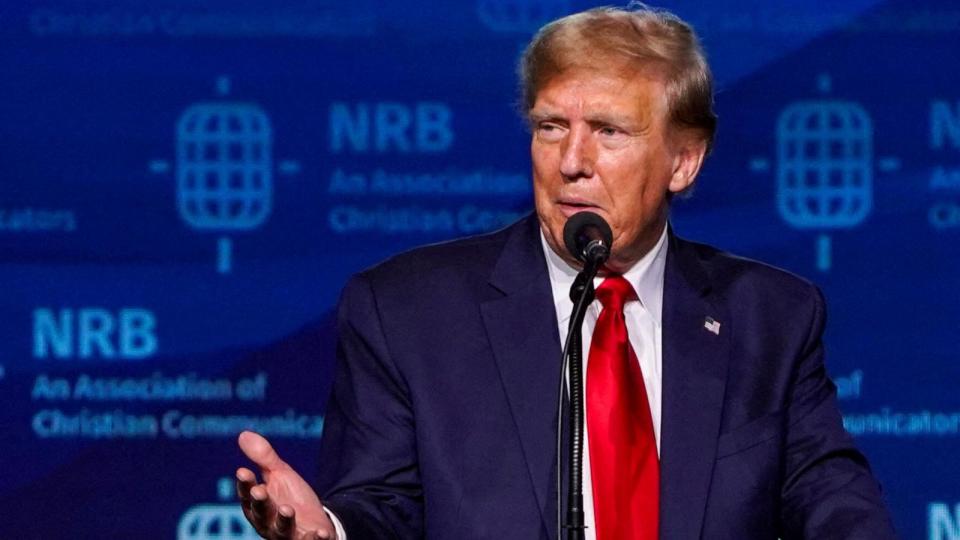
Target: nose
(579, 156)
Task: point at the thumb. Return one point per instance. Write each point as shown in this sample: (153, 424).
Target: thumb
(259, 451)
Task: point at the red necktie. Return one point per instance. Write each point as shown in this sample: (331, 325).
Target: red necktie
(624, 466)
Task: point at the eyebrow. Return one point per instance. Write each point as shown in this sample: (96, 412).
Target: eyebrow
(612, 119)
(534, 116)
(630, 125)
(593, 119)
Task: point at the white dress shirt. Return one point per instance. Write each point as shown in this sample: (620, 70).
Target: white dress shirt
(643, 319)
(643, 329)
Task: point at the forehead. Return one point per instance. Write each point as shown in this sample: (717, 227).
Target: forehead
(586, 91)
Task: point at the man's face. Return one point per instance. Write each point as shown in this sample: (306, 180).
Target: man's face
(603, 143)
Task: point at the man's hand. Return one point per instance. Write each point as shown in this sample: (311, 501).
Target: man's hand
(284, 506)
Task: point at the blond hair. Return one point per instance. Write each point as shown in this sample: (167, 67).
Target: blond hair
(637, 38)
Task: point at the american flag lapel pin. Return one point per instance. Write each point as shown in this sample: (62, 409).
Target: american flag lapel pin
(712, 325)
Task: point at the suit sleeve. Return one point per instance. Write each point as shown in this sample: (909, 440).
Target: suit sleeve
(368, 464)
(829, 491)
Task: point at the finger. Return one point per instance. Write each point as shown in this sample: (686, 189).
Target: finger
(259, 451)
(247, 506)
(286, 522)
(322, 535)
(263, 509)
(245, 480)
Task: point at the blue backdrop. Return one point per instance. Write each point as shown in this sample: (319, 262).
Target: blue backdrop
(186, 185)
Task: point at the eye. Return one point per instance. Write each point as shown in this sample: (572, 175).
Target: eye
(550, 131)
(612, 137)
(610, 131)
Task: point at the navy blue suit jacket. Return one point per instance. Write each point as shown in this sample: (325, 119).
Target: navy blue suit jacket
(442, 419)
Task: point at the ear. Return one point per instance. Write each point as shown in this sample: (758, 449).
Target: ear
(689, 153)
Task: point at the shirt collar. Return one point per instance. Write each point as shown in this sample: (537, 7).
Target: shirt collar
(646, 276)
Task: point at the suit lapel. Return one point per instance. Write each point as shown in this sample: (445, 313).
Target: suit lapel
(522, 329)
(695, 362)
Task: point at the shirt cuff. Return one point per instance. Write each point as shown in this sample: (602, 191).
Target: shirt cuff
(341, 534)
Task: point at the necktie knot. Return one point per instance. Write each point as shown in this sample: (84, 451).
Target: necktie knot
(614, 292)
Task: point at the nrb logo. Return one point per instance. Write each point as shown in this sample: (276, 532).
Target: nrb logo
(942, 523)
(224, 168)
(825, 158)
(223, 521)
(215, 522)
(825, 166)
(92, 332)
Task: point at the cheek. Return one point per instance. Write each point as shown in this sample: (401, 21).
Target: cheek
(544, 193)
(626, 183)
(541, 189)
(540, 156)
(633, 199)
(545, 174)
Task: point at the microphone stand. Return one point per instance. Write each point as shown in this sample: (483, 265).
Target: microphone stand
(582, 294)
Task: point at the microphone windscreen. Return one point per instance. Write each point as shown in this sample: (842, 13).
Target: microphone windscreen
(583, 227)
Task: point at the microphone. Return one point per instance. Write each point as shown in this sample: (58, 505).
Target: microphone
(588, 238)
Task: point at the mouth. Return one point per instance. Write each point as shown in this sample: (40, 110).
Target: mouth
(569, 207)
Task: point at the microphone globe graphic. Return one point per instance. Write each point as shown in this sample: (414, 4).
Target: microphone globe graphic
(223, 520)
(215, 522)
(825, 168)
(224, 169)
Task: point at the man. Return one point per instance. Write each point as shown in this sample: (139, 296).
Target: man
(709, 412)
